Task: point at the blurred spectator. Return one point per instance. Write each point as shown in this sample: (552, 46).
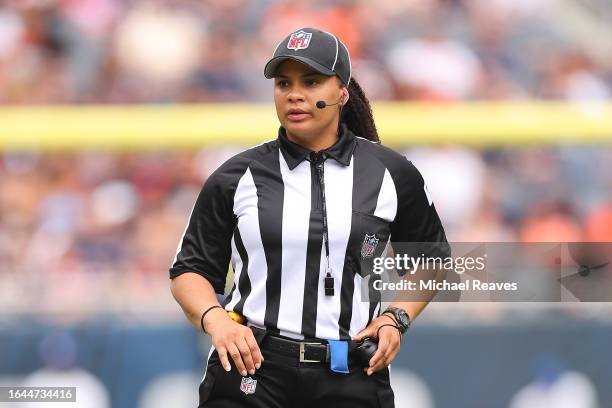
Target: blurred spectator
(599, 224)
(556, 386)
(574, 77)
(158, 47)
(410, 389)
(554, 222)
(59, 351)
(455, 178)
(433, 68)
(337, 16)
(12, 32)
(486, 225)
(218, 78)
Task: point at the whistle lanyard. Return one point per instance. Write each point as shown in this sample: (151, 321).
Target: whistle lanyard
(329, 279)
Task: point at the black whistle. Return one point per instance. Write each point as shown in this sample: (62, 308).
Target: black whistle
(329, 286)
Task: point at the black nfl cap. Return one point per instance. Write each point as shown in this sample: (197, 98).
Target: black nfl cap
(320, 50)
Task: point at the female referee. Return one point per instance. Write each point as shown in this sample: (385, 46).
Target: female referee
(300, 218)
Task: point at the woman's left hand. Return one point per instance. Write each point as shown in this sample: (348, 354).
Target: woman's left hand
(389, 341)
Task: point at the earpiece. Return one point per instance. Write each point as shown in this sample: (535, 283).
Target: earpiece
(343, 99)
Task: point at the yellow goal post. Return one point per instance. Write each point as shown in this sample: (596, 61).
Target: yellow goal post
(175, 126)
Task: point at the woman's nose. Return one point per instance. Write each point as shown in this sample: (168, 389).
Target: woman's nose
(295, 95)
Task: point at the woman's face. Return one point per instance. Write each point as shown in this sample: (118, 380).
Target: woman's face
(297, 88)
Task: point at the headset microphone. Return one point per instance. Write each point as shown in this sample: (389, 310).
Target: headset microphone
(323, 104)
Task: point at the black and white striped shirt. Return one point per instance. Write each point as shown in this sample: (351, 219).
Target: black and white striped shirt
(262, 210)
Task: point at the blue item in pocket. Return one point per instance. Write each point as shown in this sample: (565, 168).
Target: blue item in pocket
(338, 350)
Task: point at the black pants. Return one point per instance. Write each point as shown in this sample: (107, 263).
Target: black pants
(284, 382)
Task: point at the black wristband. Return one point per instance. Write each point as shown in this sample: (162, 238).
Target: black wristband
(390, 315)
(389, 324)
(204, 314)
(401, 317)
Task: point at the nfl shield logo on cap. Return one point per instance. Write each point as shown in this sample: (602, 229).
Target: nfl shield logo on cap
(299, 40)
(248, 385)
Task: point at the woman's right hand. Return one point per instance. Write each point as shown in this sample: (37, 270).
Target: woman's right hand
(234, 338)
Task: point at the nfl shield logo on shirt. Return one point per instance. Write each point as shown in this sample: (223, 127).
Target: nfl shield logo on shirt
(369, 245)
(248, 385)
(299, 40)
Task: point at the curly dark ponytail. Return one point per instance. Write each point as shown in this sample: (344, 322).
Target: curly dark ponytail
(357, 113)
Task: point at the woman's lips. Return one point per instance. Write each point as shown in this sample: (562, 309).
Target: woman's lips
(297, 116)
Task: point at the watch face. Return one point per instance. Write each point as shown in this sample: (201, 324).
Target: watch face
(403, 319)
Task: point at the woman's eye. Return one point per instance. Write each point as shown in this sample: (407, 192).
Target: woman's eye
(311, 82)
(282, 84)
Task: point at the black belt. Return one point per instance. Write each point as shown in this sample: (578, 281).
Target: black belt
(302, 351)
(306, 352)
(317, 351)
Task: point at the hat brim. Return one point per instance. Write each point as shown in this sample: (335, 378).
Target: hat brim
(274, 63)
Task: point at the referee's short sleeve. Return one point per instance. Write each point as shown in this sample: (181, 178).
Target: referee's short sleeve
(417, 219)
(205, 247)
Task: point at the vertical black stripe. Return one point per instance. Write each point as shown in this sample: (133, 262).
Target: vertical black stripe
(244, 283)
(367, 181)
(228, 298)
(374, 297)
(270, 192)
(313, 260)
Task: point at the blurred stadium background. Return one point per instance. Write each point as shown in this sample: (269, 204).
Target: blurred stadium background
(114, 112)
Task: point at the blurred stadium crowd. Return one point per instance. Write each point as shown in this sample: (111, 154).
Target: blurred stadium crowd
(96, 232)
(159, 51)
(72, 225)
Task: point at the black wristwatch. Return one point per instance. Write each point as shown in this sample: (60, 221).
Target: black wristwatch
(401, 318)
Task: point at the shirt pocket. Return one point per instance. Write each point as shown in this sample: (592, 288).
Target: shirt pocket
(369, 239)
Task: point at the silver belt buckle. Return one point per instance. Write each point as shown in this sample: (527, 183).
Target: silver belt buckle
(303, 351)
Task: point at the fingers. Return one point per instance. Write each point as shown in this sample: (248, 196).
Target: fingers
(222, 351)
(255, 351)
(235, 354)
(388, 347)
(367, 332)
(249, 350)
(375, 361)
(243, 349)
(247, 358)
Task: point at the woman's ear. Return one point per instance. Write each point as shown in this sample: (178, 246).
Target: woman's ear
(344, 95)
